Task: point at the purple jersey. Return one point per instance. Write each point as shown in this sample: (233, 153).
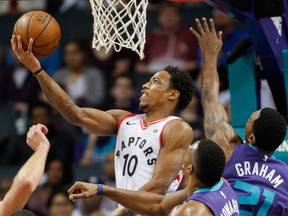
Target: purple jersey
(221, 199)
(259, 180)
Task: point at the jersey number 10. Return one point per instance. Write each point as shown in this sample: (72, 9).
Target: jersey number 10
(130, 165)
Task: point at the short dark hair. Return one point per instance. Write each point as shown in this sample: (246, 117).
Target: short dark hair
(210, 162)
(269, 129)
(23, 213)
(183, 82)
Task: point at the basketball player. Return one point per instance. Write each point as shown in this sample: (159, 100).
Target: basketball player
(259, 180)
(205, 194)
(30, 173)
(150, 147)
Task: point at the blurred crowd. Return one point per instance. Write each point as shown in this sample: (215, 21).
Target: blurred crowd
(99, 79)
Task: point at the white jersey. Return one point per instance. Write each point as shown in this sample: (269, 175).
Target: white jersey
(136, 152)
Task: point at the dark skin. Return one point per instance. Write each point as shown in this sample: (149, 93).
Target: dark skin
(149, 203)
(216, 125)
(176, 135)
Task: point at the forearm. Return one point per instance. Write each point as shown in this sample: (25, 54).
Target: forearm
(209, 79)
(26, 180)
(140, 202)
(214, 111)
(33, 169)
(58, 98)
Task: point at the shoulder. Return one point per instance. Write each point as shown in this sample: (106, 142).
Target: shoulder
(177, 125)
(178, 133)
(119, 115)
(194, 208)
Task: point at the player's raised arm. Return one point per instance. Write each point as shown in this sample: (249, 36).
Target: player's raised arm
(30, 173)
(216, 124)
(94, 120)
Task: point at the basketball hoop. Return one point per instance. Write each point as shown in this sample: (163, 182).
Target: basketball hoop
(119, 23)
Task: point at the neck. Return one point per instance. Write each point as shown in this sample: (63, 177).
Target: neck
(193, 185)
(263, 151)
(156, 115)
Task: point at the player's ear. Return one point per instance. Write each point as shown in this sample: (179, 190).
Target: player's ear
(174, 94)
(252, 139)
(190, 169)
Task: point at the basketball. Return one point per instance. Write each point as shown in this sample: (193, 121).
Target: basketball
(44, 30)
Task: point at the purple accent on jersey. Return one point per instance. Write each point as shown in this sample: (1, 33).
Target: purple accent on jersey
(259, 180)
(221, 199)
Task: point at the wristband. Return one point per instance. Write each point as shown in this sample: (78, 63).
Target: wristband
(100, 189)
(37, 72)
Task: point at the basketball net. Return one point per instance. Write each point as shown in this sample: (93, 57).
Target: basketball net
(119, 23)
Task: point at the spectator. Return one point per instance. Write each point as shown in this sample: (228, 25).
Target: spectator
(112, 63)
(61, 143)
(59, 204)
(84, 84)
(123, 94)
(15, 6)
(58, 175)
(169, 44)
(16, 87)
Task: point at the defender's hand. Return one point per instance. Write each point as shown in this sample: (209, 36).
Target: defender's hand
(210, 42)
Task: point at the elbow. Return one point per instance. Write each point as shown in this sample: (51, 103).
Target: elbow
(75, 117)
(26, 185)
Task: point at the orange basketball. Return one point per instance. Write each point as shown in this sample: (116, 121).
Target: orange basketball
(44, 30)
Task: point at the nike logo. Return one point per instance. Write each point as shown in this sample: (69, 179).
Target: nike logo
(129, 123)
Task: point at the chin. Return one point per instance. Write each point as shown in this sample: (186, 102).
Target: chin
(142, 107)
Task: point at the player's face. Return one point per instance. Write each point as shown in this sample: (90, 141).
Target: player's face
(155, 93)
(169, 18)
(249, 125)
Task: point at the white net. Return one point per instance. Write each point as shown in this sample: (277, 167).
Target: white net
(119, 23)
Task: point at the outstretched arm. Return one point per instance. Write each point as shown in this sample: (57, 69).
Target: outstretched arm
(94, 120)
(29, 175)
(216, 124)
(138, 201)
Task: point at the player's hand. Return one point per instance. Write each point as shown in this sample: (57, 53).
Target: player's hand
(26, 57)
(210, 42)
(82, 190)
(36, 136)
